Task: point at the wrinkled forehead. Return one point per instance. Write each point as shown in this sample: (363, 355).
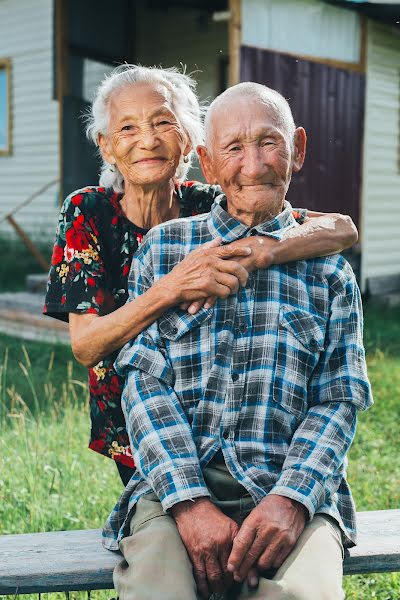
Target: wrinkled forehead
(246, 117)
(140, 96)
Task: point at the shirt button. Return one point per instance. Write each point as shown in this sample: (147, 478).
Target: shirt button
(235, 376)
(242, 328)
(225, 434)
(313, 342)
(174, 330)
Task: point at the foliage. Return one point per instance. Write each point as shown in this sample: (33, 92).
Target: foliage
(13, 272)
(49, 481)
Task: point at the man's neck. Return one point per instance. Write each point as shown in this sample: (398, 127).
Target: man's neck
(252, 219)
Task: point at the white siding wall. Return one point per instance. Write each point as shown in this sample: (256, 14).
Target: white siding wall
(381, 168)
(302, 27)
(26, 37)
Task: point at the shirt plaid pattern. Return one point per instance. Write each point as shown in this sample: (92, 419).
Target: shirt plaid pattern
(272, 376)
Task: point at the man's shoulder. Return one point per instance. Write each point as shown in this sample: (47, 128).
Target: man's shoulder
(177, 229)
(334, 269)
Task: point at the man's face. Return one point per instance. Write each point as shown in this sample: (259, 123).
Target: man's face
(251, 157)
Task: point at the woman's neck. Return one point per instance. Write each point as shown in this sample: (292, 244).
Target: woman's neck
(148, 206)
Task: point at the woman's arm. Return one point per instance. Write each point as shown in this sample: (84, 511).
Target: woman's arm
(320, 235)
(212, 270)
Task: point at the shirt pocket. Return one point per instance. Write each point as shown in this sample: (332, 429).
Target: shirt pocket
(300, 341)
(175, 323)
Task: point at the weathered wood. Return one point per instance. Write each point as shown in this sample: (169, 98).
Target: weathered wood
(378, 548)
(57, 561)
(76, 560)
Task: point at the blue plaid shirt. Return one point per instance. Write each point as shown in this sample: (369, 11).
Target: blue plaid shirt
(273, 376)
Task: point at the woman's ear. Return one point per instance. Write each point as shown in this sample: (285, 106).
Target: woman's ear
(299, 153)
(206, 164)
(106, 148)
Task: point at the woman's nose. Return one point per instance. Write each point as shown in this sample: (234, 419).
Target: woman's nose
(149, 139)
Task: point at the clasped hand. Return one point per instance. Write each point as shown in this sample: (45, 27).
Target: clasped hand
(220, 551)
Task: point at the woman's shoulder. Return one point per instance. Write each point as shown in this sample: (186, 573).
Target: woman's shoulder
(198, 197)
(89, 201)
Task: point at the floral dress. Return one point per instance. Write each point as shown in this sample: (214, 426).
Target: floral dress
(90, 264)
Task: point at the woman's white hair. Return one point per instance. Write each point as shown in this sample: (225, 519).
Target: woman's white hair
(184, 104)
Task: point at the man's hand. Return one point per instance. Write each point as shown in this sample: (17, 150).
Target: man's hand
(208, 537)
(267, 536)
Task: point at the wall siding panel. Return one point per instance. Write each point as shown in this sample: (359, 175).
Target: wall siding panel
(381, 168)
(26, 37)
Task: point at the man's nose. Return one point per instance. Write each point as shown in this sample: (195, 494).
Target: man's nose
(253, 165)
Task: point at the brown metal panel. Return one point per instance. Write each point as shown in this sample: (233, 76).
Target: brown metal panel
(329, 103)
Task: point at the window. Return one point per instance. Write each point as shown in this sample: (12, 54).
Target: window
(5, 111)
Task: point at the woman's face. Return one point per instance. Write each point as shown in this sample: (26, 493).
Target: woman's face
(144, 137)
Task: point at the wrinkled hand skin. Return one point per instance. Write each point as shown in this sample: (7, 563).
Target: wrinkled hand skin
(262, 252)
(208, 537)
(261, 257)
(267, 536)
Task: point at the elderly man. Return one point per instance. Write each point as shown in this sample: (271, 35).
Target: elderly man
(241, 416)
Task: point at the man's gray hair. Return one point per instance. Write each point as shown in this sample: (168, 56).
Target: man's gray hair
(184, 103)
(271, 98)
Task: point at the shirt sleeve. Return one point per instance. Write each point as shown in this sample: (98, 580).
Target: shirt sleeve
(76, 281)
(339, 388)
(161, 437)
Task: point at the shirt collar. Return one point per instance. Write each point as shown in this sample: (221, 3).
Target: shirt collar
(222, 224)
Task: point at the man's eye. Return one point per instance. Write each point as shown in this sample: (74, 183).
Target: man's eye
(234, 148)
(127, 127)
(163, 122)
(267, 143)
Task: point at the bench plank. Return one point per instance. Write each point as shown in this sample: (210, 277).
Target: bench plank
(76, 560)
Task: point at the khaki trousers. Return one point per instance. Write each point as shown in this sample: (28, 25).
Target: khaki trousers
(156, 565)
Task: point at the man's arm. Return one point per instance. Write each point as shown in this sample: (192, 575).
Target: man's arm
(312, 471)
(163, 447)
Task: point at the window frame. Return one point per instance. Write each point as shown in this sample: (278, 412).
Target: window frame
(5, 63)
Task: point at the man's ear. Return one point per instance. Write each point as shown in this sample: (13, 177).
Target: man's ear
(105, 148)
(299, 153)
(206, 164)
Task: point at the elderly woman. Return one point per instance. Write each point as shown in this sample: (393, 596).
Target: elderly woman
(147, 124)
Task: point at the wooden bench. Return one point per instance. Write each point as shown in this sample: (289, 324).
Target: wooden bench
(76, 560)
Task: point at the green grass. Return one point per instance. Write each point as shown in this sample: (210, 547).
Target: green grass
(13, 272)
(50, 481)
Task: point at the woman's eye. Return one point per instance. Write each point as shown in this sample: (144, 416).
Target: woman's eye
(163, 122)
(267, 143)
(234, 149)
(126, 127)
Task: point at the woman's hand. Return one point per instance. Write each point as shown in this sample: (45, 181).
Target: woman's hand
(210, 271)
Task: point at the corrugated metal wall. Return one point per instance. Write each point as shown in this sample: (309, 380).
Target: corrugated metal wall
(329, 103)
(26, 36)
(381, 163)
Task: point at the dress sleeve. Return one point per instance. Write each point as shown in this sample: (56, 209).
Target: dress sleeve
(76, 281)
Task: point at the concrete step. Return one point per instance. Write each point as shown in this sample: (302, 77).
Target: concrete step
(21, 316)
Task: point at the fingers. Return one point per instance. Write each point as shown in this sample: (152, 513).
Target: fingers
(212, 244)
(230, 251)
(195, 306)
(253, 578)
(200, 576)
(215, 575)
(241, 545)
(233, 268)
